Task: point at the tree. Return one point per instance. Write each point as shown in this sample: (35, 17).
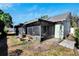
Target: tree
(1, 12)
(5, 21)
(74, 21)
(6, 18)
(45, 17)
(77, 37)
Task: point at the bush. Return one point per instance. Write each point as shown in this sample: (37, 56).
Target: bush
(77, 33)
(77, 38)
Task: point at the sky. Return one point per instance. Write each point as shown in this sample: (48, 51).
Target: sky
(22, 12)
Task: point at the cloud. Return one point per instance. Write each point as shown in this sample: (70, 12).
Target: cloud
(35, 11)
(5, 5)
(33, 8)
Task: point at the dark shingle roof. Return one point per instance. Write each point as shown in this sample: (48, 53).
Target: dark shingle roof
(61, 17)
(57, 18)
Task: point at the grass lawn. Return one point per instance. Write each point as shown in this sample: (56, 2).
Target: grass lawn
(39, 49)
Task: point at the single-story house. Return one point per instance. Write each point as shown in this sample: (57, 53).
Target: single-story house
(11, 31)
(41, 29)
(55, 27)
(19, 29)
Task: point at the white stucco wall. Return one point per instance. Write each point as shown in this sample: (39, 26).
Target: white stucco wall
(72, 31)
(59, 31)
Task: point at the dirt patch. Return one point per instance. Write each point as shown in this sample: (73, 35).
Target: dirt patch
(46, 48)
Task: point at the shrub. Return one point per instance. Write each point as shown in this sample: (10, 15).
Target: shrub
(77, 33)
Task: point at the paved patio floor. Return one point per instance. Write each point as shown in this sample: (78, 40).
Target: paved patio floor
(67, 43)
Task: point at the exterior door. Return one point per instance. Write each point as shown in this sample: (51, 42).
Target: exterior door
(59, 31)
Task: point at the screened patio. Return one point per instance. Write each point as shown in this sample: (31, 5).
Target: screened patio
(42, 29)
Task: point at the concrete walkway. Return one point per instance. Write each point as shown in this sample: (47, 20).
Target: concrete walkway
(67, 43)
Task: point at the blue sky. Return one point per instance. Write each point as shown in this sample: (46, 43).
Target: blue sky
(22, 12)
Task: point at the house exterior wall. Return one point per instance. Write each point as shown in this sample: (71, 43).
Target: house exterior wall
(72, 31)
(59, 31)
(78, 22)
(62, 29)
(67, 27)
(42, 33)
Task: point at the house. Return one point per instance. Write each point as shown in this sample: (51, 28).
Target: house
(62, 26)
(19, 29)
(41, 29)
(11, 31)
(54, 27)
